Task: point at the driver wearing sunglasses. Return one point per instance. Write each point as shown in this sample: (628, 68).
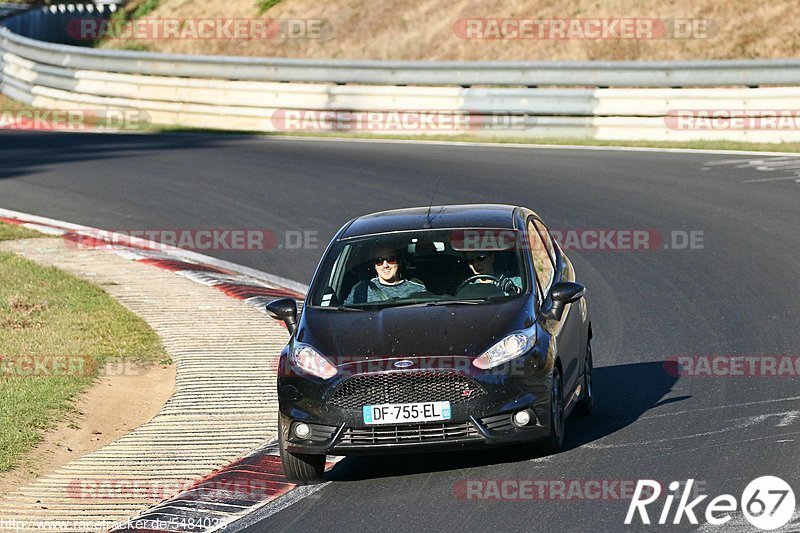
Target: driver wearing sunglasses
(481, 263)
(389, 282)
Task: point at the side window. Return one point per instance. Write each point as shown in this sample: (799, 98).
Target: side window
(326, 293)
(548, 242)
(542, 264)
(338, 270)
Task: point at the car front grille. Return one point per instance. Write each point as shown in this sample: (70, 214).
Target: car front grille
(409, 433)
(410, 386)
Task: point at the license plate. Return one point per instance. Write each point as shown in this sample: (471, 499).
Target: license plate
(395, 413)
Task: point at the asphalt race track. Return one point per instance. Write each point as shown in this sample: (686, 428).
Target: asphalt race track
(737, 292)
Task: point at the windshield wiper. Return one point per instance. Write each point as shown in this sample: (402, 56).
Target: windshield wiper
(385, 304)
(346, 308)
(417, 303)
(382, 304)
(457, 302)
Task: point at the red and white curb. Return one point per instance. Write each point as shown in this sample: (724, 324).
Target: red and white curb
(237, 281)
(247, 484)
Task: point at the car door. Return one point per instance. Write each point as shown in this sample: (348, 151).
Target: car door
(550, 268)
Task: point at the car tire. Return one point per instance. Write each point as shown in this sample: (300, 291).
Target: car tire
(586, 405)
(553, 443)
(300, 468)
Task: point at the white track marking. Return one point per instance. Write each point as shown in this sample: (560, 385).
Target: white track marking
(728, 406)
(781, 165)
(763, 180)
(744, 163)
(788, 420)
(737, 424)
(739, 523)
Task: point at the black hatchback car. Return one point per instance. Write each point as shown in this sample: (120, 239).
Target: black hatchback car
(433, 328)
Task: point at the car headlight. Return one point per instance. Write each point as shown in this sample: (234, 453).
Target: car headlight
(309, 360)
(507, 349)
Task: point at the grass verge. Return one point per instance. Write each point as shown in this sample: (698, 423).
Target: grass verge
(7, 104)
(12, 232)
(690, 145)
(56, 331)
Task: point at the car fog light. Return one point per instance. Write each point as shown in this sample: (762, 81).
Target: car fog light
(302, 430)
(521, 418)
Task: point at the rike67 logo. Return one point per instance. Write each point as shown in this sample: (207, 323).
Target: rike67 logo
(767, 502)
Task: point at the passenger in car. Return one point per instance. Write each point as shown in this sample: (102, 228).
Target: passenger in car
(389, 282)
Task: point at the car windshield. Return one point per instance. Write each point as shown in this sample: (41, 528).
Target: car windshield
(422, 267)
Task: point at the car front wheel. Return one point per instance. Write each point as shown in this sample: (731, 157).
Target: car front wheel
(555, 441)
(300, 468)
(586, 405)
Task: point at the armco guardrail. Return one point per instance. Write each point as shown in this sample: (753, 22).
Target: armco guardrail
(260, 94)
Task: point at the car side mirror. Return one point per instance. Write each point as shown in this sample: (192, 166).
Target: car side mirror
(284, 309)
(561, 294)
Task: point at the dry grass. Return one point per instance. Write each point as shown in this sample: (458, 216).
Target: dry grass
(423, 29)
(9, 105)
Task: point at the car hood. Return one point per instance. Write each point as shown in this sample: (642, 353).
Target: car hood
(412, 331)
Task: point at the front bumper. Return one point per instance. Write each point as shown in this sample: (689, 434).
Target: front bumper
(430, 436)
(477, 422)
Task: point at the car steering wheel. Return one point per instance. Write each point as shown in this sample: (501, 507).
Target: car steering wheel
(474, 278)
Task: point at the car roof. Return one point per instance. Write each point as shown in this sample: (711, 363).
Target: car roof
(434, 217)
